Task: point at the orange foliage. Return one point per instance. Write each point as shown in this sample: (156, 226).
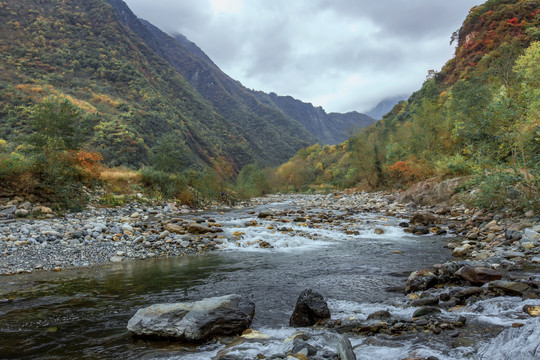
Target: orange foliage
(90, 162)
(407, 172)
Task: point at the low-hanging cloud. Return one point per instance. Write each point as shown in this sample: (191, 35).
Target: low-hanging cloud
(343, 55)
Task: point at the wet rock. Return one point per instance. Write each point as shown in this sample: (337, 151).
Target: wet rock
(265, 214)
(478, 275)
(310, 308)
(425, 301)
(345, 350)
(532, 310)
(382, 314)
(304, 348)
(194, 321)
(420, 280)
(198, 229)
(424, 219)
(424, 311)
(509, 287)
(468, 292)
(379, 231)
(462, 342)
(420, 230)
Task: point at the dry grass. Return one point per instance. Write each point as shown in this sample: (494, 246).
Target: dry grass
(120, 179)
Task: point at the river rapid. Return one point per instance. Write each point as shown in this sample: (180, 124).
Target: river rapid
(352, 262)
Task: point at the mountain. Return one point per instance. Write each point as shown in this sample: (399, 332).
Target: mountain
(330, 128)
(260, 114)
(478, 116)
(130, 99)
(383, 107)
(139, 90)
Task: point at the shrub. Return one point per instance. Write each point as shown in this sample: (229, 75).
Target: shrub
(163, 183)
(499, 189)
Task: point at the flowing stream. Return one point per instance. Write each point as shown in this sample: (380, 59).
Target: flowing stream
(83, 313)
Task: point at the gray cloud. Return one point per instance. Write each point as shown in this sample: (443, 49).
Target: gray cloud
(341, 54)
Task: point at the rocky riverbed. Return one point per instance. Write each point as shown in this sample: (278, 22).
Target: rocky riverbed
(100, 235)
(495, 255)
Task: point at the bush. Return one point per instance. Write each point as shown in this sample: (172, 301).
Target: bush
(163, 184)
(252, 182)
(499, 189)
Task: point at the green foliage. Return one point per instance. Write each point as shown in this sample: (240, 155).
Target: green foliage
(163, 184)
(252, 181)
(482, 112)
(54, 126)
(110, 199)
(170, 154)
(498, 189)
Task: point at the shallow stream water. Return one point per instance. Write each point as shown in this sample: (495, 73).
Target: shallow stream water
(83, 313)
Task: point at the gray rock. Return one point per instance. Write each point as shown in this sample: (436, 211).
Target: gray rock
(345, 350)
(194, 321)
(425, 301)
(424, 311)
(420, 280)
(21, 212)
(381, 314)
(310, 308)
(509, 287)
(530, 235)
(8, 210)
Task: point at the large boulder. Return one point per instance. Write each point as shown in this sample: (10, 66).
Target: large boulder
(432, 192)
(310, 308)
(194, 321)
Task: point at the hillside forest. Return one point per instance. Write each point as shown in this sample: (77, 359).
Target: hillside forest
(88, 99)
(478, 117)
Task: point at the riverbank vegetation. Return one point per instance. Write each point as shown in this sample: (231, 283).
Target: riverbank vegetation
(478, 117)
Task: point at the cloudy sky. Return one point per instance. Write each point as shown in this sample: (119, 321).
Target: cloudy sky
(342, 55)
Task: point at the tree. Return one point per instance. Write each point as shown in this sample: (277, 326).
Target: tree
(54, 123)
(170, 154)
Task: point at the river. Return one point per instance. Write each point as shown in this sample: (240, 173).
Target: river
(83, 313)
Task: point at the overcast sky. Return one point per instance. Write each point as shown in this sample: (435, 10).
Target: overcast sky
(343, 55)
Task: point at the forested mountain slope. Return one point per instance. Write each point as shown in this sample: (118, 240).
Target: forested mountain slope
(479, 115)
(129, 97)
(266, 117)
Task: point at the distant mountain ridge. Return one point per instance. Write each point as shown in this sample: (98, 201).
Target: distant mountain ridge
(232, 99)
(385, 106)
(332, 128)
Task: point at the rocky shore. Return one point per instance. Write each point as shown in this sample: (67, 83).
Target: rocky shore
(37, 239)
(33, 238)
(494, 253)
